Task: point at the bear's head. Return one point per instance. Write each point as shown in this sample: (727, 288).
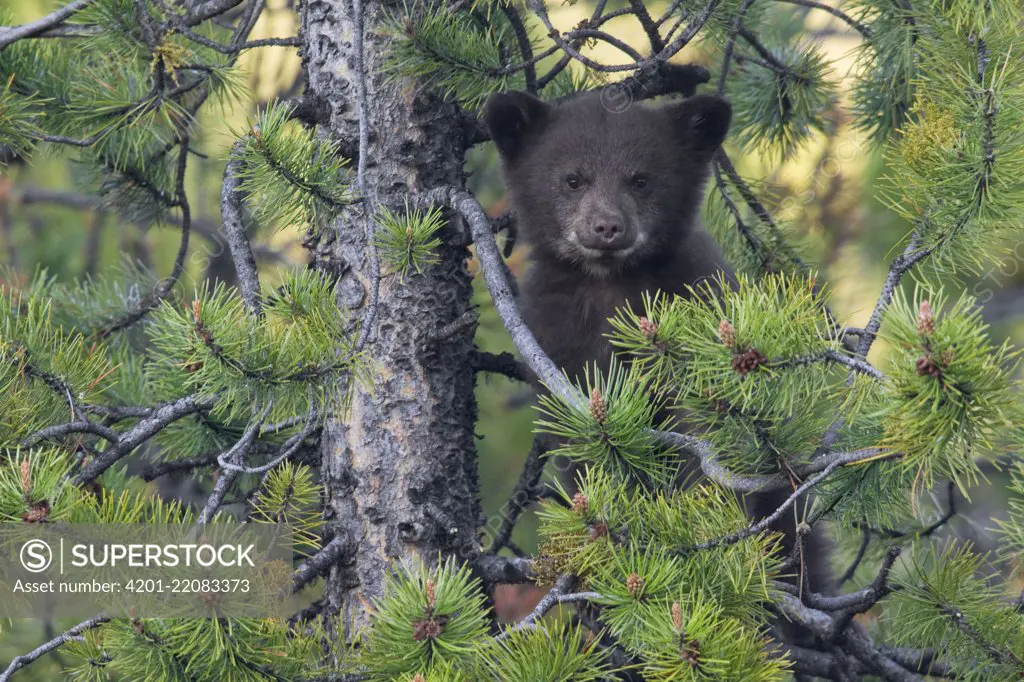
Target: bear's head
(607, 191)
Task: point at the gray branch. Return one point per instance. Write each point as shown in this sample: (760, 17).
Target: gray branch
(234, 455)
(60, 640)
(11, 34)
(234, 232)
(141, 432)
(559, 594)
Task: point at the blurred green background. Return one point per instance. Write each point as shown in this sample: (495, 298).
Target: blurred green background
(824, 196)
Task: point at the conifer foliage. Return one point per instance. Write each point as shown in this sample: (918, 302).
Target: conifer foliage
(130, 375)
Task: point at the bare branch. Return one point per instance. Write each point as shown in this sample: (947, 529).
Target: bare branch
(321, 562)
(558, 594)
(164, 287)
(369, 227)
(900, 266)
(141, 432)
(234, 455)
(836, 12)
(505, 364)
(495, 570)
(20, 662)
(501, 293)
(523, 496)
(31, 29)
(234, 231)
(287, 450)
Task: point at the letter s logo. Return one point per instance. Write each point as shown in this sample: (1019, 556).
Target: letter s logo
(36, 556)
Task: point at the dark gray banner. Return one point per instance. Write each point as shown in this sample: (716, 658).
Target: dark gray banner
(58, 570)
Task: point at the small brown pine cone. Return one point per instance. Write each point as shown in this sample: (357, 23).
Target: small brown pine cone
(926, 318)
(580, 503)
(430, 588)
(26, 477)
(428, 628)
(677, 615)
(928, 366)
(690, 652)
(37, 512)
(727, 333)
(648, 329)
(634, 584)
(598, 407)
(747, 361)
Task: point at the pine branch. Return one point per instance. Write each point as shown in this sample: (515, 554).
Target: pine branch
(559, 594)
(158, 420)
(369, 226)
(29, 30)
(772, 518)
(234, 231)
(234, 49)
(71, 634)
(529, 66)
(730, 47)
(288, 449)
(500, 363)
(321, 562)
(858, 558)
(235, 454)
(57, 430)
(171, 466)
(862, 600)
(853, 364)
(500, 570)
(491, 263)
(648, 24)
(660, 57)
(164, 287)
(851, 640)
(900, 266)
(836, 12)
(523, 496)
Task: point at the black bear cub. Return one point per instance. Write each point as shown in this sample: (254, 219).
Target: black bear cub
(608, 203)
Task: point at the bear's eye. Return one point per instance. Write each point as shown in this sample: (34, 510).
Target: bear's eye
(639, 181)
(573, 181)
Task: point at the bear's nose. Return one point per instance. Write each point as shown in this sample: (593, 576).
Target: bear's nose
(607, 230)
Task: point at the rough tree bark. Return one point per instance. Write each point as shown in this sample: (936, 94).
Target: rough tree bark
(400, 467)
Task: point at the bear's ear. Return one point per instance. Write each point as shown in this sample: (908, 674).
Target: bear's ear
(510, 116)
(702, 121)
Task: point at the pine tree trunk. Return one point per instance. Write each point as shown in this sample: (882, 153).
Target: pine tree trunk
(400, 466)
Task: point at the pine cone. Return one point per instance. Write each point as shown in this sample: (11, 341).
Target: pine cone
(580, 503)
(926, 318)
(648, 329)
(927, 365)
(429, 588)
(690, 652)
(37, 512)
(598, 407)
(634, 584)
(428, 628)
(727, 333)
(677, 615)
(748, 361)
(598, 530)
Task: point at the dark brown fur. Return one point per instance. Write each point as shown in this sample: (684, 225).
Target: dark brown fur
(598, 237)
